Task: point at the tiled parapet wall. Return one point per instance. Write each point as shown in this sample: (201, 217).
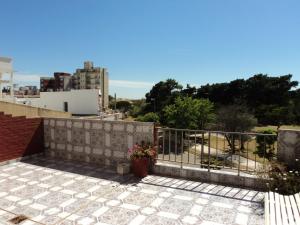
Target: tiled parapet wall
(289, 146)
(95, 141)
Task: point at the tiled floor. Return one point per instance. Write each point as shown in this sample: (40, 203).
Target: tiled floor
(50, 191)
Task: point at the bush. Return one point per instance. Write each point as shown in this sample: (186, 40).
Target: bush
(283, 181)
(266, 144)
(149, 117)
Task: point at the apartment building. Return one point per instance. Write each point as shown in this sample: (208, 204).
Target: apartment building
(91, 77)
(59, 82)
(63, 81)
(47, 84)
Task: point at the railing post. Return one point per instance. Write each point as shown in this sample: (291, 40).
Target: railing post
(240, 155)
(169, 145)
(202, 149)
(155, 135)
(208, 151)
(181, 149)
(163, 145)
(264, 160)
(175, 145)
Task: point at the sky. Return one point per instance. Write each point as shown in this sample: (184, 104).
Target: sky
(142, 42)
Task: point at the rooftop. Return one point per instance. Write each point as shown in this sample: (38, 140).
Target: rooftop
(52, 191)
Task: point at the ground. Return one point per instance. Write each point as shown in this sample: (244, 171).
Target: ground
(274, 128)
(50, 191)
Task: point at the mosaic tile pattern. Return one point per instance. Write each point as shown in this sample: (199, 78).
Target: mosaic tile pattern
(98, 141)
(51, 191)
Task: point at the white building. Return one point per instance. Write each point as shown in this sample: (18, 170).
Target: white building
(91, 77)
(6, 68)
(77, 102)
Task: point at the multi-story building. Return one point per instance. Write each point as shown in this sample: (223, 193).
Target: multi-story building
(60, 82)
(63, 81)
(47, 84)
(91, 77)
(27, 90)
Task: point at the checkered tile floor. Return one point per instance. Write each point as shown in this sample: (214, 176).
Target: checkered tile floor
(50, 191)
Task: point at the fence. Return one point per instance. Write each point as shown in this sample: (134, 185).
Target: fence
(247, 153)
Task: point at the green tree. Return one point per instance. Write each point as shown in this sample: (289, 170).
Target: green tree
(295, 105)
(188, 113)
(149, 117)
(123, 106)
(235, 118)
(267, 96)
(162, 94)
(189, 91)
(265, 144)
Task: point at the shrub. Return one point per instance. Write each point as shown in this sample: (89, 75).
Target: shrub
(283, 181)
(266, 144)
(149, 117)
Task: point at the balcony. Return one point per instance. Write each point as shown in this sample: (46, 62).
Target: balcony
(196, 180)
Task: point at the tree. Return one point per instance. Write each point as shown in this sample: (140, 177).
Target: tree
(149, 117)
(189, 91)
(265, 144)
(261, 93)
(188, 113)
(162, 94)
(295, 105)
(123, 106)
(138, 107)
(235, 118)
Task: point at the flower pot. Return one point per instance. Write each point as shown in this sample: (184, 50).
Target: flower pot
(140, 167)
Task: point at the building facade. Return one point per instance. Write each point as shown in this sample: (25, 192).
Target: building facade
(6, 68)
(47, 84)
(77, 102)
(62, 81)
(27, 90)
(91, 77)
(59, 82)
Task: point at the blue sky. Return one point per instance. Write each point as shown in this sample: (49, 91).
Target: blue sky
(144, 41)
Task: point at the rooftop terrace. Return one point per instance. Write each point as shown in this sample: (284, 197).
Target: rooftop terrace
(51, 191)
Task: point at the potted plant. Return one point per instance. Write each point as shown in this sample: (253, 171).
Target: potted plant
(142, 157)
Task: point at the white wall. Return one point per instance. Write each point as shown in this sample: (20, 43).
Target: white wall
(6, 65)
(79, 101)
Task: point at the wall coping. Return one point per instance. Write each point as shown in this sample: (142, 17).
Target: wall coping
(99, 120)
(289, 129)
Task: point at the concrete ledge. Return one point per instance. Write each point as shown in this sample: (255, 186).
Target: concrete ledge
(214, 176)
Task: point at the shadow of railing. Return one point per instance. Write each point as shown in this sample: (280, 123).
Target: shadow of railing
(205, 188)
(108, 173)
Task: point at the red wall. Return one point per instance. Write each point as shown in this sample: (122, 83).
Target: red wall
(20, 136)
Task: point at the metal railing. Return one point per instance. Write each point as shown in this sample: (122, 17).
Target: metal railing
(232, 151)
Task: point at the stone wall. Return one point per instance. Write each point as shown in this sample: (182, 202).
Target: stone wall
(95, 141)
(289, 146)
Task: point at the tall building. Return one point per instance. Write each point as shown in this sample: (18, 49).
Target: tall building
(47, 84)
(60, 82)
(91, 77)
(63, 81)
(6, 68)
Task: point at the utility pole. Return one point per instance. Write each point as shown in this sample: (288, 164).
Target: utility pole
(154, 105)
(115, 101)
